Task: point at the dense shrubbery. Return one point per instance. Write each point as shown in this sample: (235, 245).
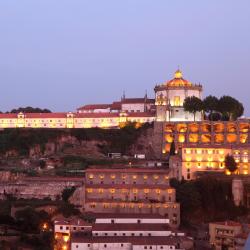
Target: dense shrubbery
(206, 199)
(118, 140)
(22, 139)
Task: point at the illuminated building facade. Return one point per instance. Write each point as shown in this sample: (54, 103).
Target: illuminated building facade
(204, 133)
(167, 106)
(202, 159)
(72, 120)
(170, 96)
(203, 145)
(131, 190)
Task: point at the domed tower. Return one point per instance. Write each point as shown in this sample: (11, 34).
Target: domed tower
(170, 96)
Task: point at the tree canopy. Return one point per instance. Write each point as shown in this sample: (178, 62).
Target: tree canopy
(230, 163)
(193, 104)
(224, 108)
(29, 110)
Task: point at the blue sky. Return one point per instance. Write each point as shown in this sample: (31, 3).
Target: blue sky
(63, 54)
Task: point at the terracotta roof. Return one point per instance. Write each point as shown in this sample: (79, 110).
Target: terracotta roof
(128, 216)
(127, 169)
(137, 240)
(227, 223)
(97, 115)
(7, 116)
(116, 106)
(45, 115)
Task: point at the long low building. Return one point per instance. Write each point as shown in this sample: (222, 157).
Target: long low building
(73, 120)
(131, 243)
(120, 231)
(131, 190)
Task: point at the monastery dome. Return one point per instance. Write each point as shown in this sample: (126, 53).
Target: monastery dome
(178, 81)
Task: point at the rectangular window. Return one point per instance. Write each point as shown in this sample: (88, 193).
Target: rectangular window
(177, 101)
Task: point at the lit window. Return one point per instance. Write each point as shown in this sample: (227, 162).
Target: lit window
(91, 176)
(89, 190)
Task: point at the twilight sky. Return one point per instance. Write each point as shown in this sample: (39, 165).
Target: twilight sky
(61, 54)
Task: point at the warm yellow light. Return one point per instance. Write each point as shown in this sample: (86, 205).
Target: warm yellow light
(112, 190)
(188, 151)
(210, 151)
(135, 191)
(145, 177)
(188, 158)
(210, 159)
(91, 176)
(158, 191)
(221, 152)
(156, 177)
(66, 238)
(245, 172)
(198, 158)
(89, 190)
(170, 191)
(198, 151)
(245, 160)
(146, 191)
(112, 176)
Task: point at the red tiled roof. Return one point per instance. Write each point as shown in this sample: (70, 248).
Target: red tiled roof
(227, 223)
(130, 227)
(96, 115)
(141, 114)
(127, 216)
(45, 115)
(7, 116)
(116, 106)
(127, 169)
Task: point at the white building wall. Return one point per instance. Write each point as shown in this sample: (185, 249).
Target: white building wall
(154, 247)
(133, 107)
(64, 229)
(112, 246)
(132, 220)
(131, 233)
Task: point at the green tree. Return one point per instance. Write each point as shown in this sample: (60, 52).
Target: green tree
(30, 110)
(230, 163)
(230, 108)
(193, 104)
(210, 105)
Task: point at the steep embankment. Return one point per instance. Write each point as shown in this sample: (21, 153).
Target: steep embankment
(94, 142)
